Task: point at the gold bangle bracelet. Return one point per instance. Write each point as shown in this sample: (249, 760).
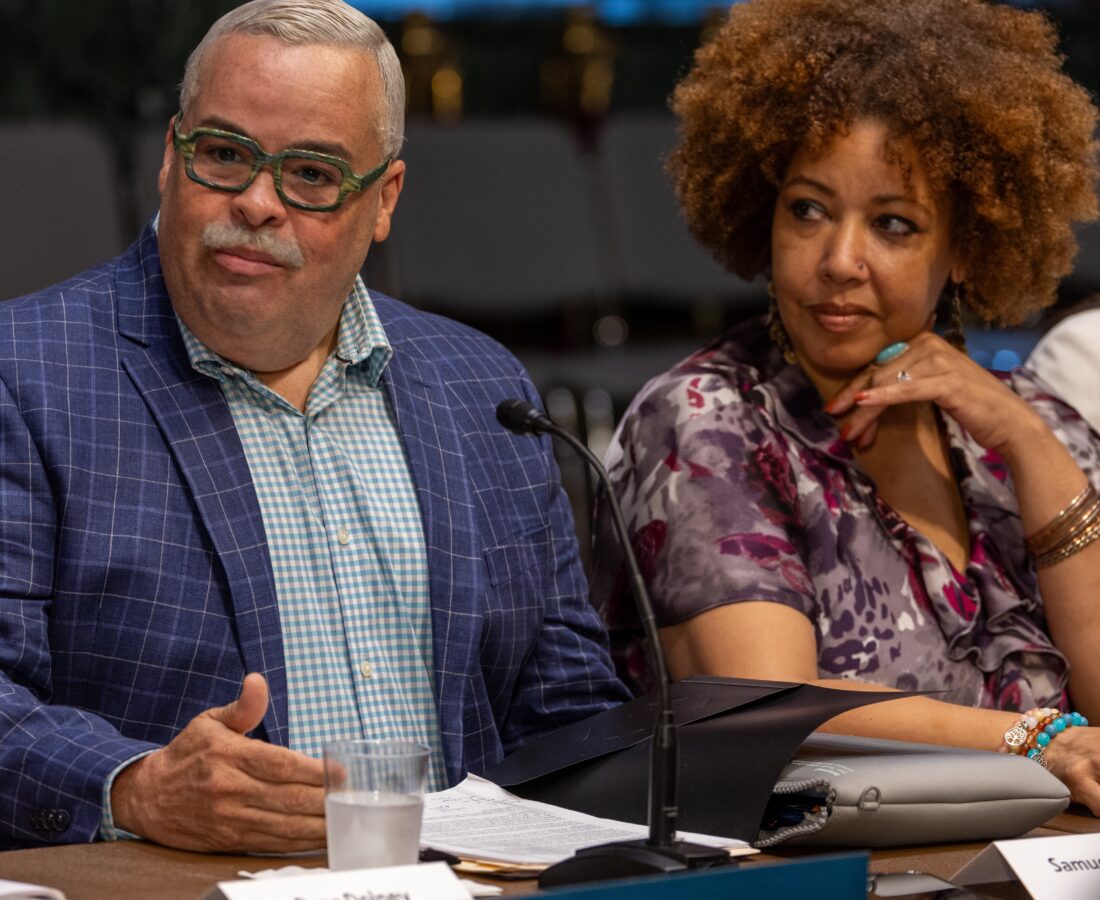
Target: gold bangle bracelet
(1076, 545)
(1069, 549)
(1077, 525)
(1064, 523)
(1080, 521)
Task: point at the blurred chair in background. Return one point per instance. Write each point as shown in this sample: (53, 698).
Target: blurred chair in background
(668, 290)
(658, 263)
(1000, 349)
(61, 209)
(495, 227)
(149, 155)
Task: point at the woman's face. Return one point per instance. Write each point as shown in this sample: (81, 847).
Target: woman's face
(860, 252)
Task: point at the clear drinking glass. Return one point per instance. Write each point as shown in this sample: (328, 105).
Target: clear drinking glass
(374, 800)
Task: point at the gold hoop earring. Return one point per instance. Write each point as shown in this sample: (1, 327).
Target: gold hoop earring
(776, 331)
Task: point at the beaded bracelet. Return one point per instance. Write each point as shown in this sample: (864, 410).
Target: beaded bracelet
(1035, 749)
(1034, 731)
(1017, 735)
(1049, 732)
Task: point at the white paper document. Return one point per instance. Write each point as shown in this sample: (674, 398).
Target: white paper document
(17, 890)
(479, 820)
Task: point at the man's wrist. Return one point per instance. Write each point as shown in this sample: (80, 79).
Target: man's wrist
(116, 822)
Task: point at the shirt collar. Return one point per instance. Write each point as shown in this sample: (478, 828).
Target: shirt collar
(361, 340)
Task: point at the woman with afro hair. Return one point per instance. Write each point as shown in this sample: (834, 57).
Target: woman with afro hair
(838, 494)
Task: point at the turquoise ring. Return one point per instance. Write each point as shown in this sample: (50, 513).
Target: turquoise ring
(891, 352)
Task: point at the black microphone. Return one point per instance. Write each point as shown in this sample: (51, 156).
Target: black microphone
(521, 417)
(661, 851)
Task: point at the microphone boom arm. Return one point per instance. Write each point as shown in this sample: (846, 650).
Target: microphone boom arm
(522, 417)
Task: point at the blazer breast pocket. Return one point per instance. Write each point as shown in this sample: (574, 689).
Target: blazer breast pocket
(514, 603)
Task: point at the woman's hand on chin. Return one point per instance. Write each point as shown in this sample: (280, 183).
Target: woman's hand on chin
(931, 370)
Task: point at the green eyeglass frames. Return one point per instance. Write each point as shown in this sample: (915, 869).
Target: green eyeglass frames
(303, 179)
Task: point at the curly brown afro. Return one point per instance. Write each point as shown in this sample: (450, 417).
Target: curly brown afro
(976, 87)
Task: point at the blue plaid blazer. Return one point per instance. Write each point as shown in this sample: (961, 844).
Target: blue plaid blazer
(135, 583)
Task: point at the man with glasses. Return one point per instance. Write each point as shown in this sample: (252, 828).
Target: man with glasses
(248, 506)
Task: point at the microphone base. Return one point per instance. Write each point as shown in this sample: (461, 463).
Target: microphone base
(632, 859)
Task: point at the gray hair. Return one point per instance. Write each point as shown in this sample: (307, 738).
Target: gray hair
(302, 22)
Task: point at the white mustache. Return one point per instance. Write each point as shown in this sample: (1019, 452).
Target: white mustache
(225, 236)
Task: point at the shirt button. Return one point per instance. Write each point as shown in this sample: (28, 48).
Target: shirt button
(366, 669)
(343, 536)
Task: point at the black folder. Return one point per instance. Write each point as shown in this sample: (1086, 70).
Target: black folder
(735, 735)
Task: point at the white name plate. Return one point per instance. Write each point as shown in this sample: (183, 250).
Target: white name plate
(429, 881)
(1066, 867)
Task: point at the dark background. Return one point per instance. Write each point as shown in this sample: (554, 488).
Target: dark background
(535, 208)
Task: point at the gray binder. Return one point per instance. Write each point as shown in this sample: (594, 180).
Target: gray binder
(872, 793)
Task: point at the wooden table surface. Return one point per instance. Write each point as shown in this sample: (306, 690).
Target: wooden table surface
(132, 869)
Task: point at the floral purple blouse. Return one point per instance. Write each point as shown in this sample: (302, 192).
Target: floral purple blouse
(736, 485)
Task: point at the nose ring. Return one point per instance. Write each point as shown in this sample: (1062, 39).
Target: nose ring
(859, 266)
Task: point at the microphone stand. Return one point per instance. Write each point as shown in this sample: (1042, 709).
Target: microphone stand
(661, 851)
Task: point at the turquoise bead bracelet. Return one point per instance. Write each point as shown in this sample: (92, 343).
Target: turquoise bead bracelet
(1032, 734)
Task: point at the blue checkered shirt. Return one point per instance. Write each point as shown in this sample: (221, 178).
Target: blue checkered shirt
(346, 542)
(346, 545)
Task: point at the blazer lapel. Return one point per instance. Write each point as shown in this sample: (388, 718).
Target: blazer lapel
(196, 423)
(435, 454)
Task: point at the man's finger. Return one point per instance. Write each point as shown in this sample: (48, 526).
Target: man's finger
(280, 834)
(248, 710)
(280, 801)
(278, 765)
(249, 829)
